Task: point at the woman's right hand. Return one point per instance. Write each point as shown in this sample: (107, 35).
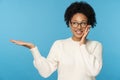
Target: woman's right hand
(22, 43)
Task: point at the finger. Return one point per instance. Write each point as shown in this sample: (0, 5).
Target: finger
(89, 26)
(13, 41)
(17, 42)
(86, 31)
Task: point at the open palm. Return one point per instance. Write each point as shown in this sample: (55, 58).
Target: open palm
(22, 43)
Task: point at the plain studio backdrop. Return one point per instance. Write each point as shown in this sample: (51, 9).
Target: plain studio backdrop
(42, 22)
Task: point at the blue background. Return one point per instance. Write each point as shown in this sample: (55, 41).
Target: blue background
(42, 22)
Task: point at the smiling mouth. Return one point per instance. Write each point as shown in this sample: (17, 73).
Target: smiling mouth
(79, 32)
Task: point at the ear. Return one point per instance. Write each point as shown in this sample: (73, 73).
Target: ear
(89, 26)
(69, 24)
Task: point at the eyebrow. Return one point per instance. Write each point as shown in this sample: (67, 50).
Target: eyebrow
(80, 21)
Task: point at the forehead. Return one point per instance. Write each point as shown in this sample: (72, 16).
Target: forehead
(79, 17)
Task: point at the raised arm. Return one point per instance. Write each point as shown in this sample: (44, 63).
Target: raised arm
(45, 66)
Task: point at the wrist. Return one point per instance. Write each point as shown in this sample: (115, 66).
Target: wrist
(30, 45)
(82, 42)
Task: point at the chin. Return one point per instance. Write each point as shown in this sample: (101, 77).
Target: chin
(78, 37)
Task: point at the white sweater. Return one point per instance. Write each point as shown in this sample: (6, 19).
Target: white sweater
(74, 62)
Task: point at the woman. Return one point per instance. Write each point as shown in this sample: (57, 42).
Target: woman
(76, 58)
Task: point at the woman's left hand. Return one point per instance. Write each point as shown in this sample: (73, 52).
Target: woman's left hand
(83, 39)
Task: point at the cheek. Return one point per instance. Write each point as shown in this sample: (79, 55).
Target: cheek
(72, 29)
(83, 29)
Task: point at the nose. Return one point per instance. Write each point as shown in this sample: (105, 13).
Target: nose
(79, 26)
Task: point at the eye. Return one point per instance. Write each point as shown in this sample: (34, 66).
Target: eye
(74, 23)
(83, 23)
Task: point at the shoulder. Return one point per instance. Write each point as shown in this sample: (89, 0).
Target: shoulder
(58, 44)
(94, 43)
(60, 41)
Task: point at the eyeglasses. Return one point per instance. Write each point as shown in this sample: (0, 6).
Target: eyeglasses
(76, 24)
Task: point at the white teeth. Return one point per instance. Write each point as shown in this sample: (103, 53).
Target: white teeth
(78, 32)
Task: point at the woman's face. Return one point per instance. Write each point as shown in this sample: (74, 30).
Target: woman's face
(78, 24)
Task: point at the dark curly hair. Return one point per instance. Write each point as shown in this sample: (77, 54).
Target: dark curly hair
(80, 7)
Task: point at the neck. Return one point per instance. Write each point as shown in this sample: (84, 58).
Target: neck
(76, 39)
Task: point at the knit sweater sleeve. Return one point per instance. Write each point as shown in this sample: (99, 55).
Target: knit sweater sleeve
(46, 66)
(93, 60)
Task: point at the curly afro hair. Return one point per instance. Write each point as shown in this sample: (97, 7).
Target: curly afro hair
(80, 7)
